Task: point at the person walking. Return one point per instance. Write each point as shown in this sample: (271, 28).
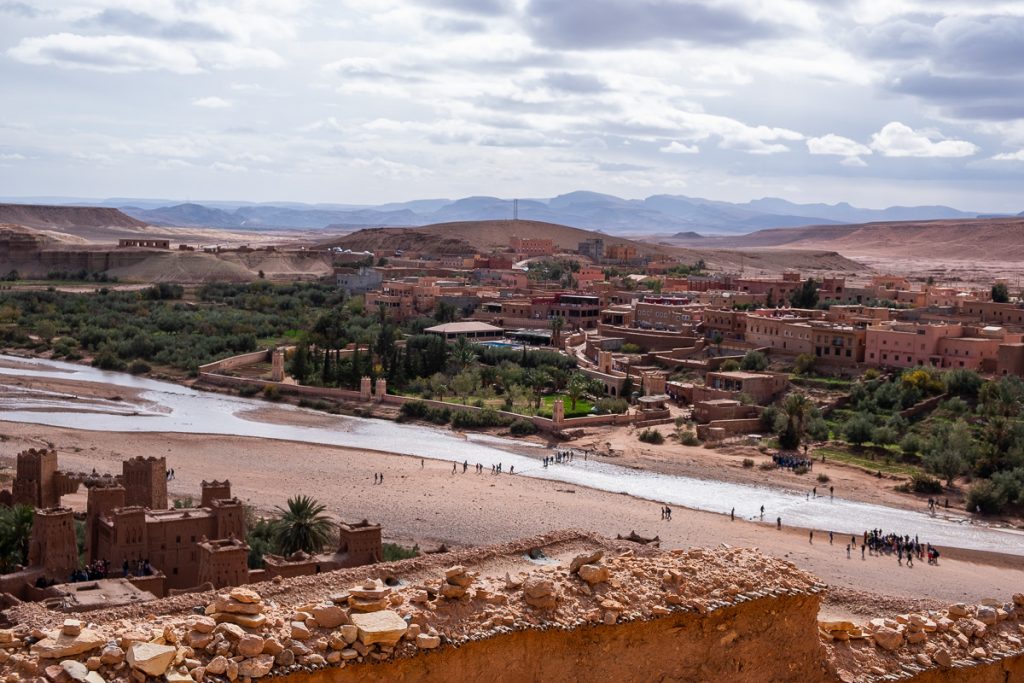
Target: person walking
(454, 467)
(421, 464)
(732, 515)
(847, 552)
(381, 477)
(778, 523)
(830, 538)
(831, 492)
(762, 513)
(810, 538)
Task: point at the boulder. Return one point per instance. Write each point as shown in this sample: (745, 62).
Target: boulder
(232, 632)
(76, 671)
(329, 616)
(987, 615)
(585, 558)
(217, 666)
(250, 645)
(384, 627)
(1018, 599)
(349, 633)
(299, 631)
(111, 655)
(247, 595)
(888, 638)
(425, 641)
(60, 646)
(943, 658)
(958, 610)
(540, 593)
(256, 667)
(204, 624)
(150, 658)
(594, 574)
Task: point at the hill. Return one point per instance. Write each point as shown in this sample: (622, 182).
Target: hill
(475, 236)
(45, 217)
(983, 239)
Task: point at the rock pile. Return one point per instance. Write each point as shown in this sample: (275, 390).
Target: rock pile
(456, 582)
(959, 636)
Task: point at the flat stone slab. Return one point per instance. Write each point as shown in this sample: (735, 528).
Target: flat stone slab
(59, 646)
(385, 627)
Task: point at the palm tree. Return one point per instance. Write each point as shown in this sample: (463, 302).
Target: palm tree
(15, 533)
(557, 323)
(302, 526)
(537, 380)
(463, 353)
(578, 386)
(797, 409)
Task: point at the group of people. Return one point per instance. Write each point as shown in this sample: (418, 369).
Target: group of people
(137, 568)
(903, 547)
(170, 474)
(91, 572)
(666, 513)
(378, 478)
(791, 461)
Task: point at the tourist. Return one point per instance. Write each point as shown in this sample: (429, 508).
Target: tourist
(810, 538)
(815, 491)
(732, 515)
(778, 523)
(847, 552)
(512, 469)
(762, 513)
(830, 538)
(663, 512)
(455, 466)
(381, 477)
(421, 463)
(831, 491)
(668, 513)
(375, 478)
(465, 466)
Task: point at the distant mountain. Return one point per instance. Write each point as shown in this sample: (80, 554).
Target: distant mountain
(655, 215)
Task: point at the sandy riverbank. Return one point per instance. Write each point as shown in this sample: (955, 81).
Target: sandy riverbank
(425, 503)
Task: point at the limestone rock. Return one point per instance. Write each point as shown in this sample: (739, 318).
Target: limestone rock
(1018, 599)
(232, 632)
(225, 603)
(253, 621)
(385, 627)
(204, 624)
(250, 645)
(111, 655)
(272, 646)
(986, 615)
(350, 633)
(979, 653)
(71, 627)
(958, 610)
(540, 593)
(329, 616)
(299, 631)
(256, 667)
(217, 666)
(943, 658)
(60, 646)
(247, 595)
(594, 574)
(585, 558)
(888, 638)
(425, 641)
(150, 658)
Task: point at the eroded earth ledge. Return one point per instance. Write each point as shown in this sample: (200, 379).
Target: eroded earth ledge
(564, 606)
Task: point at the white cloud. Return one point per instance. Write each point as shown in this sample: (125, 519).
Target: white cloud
(899, 140)
(836, 145)
(114, 54)
(853, 162)
(229, 168)
(1010, 156)
(211, 102)
(676, 147)
(12, 156)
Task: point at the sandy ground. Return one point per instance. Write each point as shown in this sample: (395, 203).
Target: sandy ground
(424, 502)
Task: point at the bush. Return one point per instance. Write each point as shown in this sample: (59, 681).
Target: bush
(248, 390)
(471, 419)
(804, 364)
(801, 469)
(392, 552)
(652, 436)
(688, 438)
(607, 406)
(823, 478)
(754, 361)
(731, 365)
(911, 444)
(923, 483)
(985, 496)
(139, 367)
(419, 410)
(271, 393)
(767, 465)
(629, 347)
(748, 463)
(522, 428)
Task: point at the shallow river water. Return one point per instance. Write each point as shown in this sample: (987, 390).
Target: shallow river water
(168, 407)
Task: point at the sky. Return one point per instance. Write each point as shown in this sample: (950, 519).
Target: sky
(874, 102)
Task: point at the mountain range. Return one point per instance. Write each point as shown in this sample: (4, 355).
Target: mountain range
(657, 214)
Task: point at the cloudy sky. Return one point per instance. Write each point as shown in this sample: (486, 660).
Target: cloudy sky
(875, 102)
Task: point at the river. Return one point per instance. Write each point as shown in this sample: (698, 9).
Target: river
(169, 407)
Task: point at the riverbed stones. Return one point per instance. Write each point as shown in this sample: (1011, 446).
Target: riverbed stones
(384, 627)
